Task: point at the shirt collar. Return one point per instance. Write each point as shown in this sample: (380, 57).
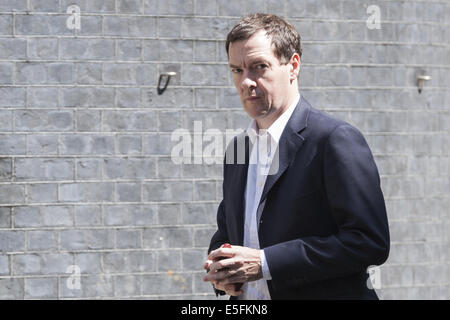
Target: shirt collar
(276, 129)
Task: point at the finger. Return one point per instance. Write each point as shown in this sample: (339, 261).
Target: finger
(216, 275)
(232, 290)
(207, 264)
(220, 253)
(227, 263)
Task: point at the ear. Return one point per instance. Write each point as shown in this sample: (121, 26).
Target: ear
(294, 65)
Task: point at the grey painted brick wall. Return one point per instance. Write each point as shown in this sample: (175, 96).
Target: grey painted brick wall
(86, 177)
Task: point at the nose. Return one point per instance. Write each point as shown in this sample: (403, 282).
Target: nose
(248, 81)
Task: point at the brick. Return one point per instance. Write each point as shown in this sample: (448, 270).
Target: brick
(25, 216)
(205, 51)
(43, 120)
(128, 285)
(192, 259)
(87, 144)
(128, 97)
(6, 73)
(42, 240)
(42, 193)
(28, 169)
(168, 237)
(42, 48)
(130, 215)
(156, 144)
(167, 191)
(87, 49)
(206, 98)
(91, 25)
(89, 73)
(127, 6)
(45, 264)
(5, 169)
(128, 239)
(131, 168)
(89, 169)
(13, 48)
(172, 98)
(168, 50)
(88, 215)
(129, 26)
(44, 73)
(169, 260)
(200, 213)
(96, 286)
(13, 6)
(91, 6)
(128, 192)
(42, 97)
(42, 144)
(86, 239)
(41, 288)
(6, 25)
(6, 120)
(168, 169)
(169, 283)
(204, 190)
(202, 236)
(129, 49)
(11, 241)
(88, 121)
(169, 214)
(129, 144)
(12, 194)
(130, 261)
(4, 265)
(116, 121)
(213, 75)
(229, 99)
(236, 8)
(86, 192)
(89, 263)
(201, 28)
(12, 96)
(5, 217)
(44, 5)
(48, 25)
(169, 27)
(169, 7)
(206, 8)
(12, 288)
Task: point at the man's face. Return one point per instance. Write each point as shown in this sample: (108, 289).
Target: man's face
(261, 81)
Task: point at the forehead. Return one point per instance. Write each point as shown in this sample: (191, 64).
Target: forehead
(257, 46)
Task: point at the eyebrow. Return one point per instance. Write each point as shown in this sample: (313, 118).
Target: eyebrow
(251, 63)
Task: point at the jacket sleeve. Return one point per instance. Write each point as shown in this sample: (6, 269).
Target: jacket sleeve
(352, 188)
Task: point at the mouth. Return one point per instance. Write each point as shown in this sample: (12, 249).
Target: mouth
(252, 98)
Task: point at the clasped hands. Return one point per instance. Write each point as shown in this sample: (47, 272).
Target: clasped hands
(231, 267)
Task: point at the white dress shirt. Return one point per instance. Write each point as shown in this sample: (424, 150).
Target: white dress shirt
(264, 143)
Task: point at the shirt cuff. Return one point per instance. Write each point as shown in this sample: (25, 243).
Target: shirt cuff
(264, 266)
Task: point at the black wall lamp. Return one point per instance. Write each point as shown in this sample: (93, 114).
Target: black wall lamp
(167, 77)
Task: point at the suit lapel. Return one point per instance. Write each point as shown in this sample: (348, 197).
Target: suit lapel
(290, 142)
(240, 181)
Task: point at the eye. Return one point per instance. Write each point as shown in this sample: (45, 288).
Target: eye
(236, 70)
(261, 66)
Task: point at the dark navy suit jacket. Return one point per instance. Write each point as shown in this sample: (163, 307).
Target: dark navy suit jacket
(322, 217)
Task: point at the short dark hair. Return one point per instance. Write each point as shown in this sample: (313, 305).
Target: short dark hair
(285, 38)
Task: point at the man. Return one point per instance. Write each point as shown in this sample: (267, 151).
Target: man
(311, 226)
